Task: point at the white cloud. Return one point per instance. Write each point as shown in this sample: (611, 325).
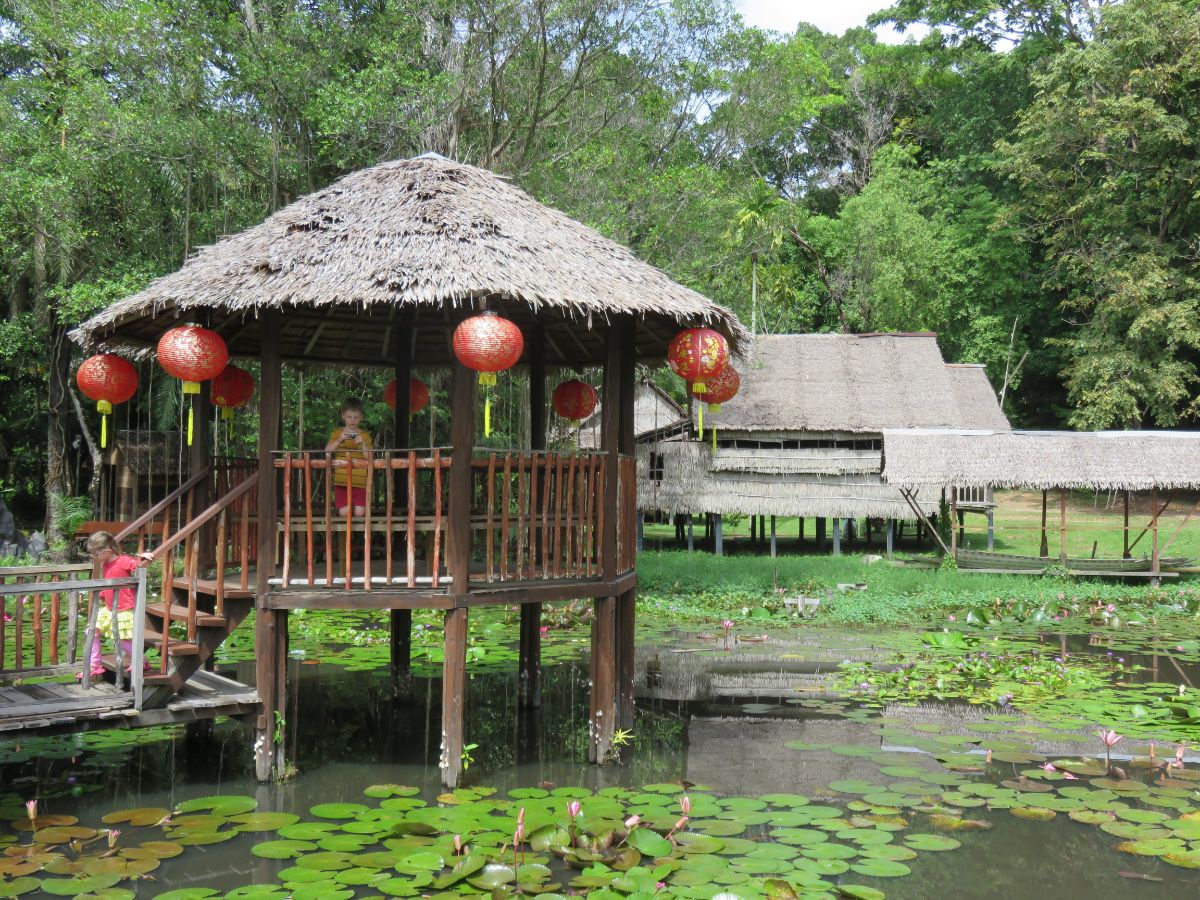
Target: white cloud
(834, 17)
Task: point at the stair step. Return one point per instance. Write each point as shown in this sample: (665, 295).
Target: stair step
(177, 648)
(208, 587)
(180, 614)
(149, 678)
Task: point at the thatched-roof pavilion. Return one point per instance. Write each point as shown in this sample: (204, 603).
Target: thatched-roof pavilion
(803, 435)
(1124, 461)
(378, 269)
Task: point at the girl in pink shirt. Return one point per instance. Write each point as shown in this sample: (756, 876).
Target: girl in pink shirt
(113, 621)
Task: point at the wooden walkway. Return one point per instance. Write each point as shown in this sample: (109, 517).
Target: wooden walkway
(45, 708)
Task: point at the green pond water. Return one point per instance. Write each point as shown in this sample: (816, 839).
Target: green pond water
(791, 790)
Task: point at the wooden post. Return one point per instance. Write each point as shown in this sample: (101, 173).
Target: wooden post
(458, 562)
(718, 541)
(800, 535)
(199, 456)
(1125, 543)
(602, 718)
(1062, 527)
(991, 519)
(1045, 548)
(270, 626)
(821, 527)
(626, 612)
(529, 648)
(1154, 560)
(954, 523)
(837, 536)
(691, 537)
(401, 619)
(891, 537)
(753, 530)
(772, 535)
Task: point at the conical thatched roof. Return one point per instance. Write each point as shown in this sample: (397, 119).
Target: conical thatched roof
(1045, 460)
(420, 236)
(856, 383)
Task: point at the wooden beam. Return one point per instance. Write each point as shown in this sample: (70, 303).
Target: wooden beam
(454, 686)
(271, 670)
(910, 499)
(529, 647)
(1155, 513)
(1178, 528)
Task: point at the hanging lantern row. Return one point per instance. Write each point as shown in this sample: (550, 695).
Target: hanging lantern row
(418, 395)
(698, 355)
(487, 344)
(192, 354)
(109, 380)
(721, 389)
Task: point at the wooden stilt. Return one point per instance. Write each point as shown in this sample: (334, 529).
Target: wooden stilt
(691, 537)
(603, 707)
(991, 529)
(1125, 542)
(837, 536)
(626, 659)
(772, 536)
(821, 525)
(270, 628)
(953, 523)
(1154, 560)
(1062, 527)
(891, 536)
(454, 685)
(800, 535)
(1045, 548)
(458, 560)
(718, 543)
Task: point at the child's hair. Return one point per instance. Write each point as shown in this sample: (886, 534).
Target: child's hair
(350, 405)
(102, 540)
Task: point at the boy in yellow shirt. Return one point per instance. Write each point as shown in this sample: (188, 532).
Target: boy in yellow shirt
(347, 443)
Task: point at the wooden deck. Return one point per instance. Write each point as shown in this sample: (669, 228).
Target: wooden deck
(49, 707)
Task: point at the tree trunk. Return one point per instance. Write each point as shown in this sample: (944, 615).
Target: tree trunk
(58, 468)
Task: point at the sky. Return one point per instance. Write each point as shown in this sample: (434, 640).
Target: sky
(834, 16)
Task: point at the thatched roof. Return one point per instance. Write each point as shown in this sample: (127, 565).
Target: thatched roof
(1044, 460)
(148, 452)
(855, 383)
(692, 483)
(653, 409)
(421, 236)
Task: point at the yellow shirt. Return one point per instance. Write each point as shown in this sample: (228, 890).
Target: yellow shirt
(348, 449)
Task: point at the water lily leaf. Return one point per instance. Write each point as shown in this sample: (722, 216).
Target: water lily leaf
(1033, 813)
(149, 815)
(829, 851)
(1090, 816)
(18, 886)
(787, 801)
(880, 868)
(306, 831)
(282, 849)
(202, 838)
(1189, 859)
(692, 842)
(187, 894)
(61, 834)
(424, 861)
(337, 810)
(933, 842)
(1154, 847)
(379, 791)
(264, 821)
(321, 892)
(650, 842)
(492, 876)
(219, 806)
(256, 890)
(73, 887)
(950, 823)
(860, 892)
(326, 861)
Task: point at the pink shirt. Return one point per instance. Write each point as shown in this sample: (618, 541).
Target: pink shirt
(120, 567)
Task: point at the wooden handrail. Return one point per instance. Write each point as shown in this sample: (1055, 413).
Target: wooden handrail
(205, 517)
(152, 513)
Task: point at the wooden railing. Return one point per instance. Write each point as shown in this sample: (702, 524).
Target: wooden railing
(405, 499)
(36, 628)
(541, 515)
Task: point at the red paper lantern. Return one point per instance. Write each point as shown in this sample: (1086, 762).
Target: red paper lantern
(488, 344)
(108, 379)
(574, 400)
(721, 389)
(232, 389)
(418, 395)
(696, 355)
(192, 354)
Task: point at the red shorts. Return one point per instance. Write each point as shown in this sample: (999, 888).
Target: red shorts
(358, 496)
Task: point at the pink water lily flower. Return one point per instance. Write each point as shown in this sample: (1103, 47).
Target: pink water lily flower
(113, 834)
(685, 805)
(574, 808)
(632, 822)
(1110, 738)
(31, 809)
(727, 624)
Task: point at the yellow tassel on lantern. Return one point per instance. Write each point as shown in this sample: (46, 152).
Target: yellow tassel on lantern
(487, 379)
(193, 388)
(712, 408)
(698, 388)
(105, 409)
(227, 416)
(487, 415)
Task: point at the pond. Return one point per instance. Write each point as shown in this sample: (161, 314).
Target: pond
(780, 763)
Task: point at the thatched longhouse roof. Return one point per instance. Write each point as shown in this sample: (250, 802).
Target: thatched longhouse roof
(856, 383)
(1043, 460)
(421, 236)
(653, 408)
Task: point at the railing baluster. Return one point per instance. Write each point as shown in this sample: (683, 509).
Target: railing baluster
(167, 594)
(308, 518)
(411, 501)
(437, 514)
(569, 530)
(505, 498)
(243, 506)
(222, 551)
(599, 539)
(522, 505)
(547, 490)
(491, 506)
(329, 519)
(367, 520)
(72, 625)
(287, 519)
(534, 489)
(37, 625)
(557, 535)
(389, 492)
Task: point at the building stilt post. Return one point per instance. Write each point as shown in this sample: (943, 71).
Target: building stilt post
(891, 537)
(529, 661)
(718, 542)
(772, 536)
(691, 537)
(822, 524)
(837, 537)
(401, 619)
(991, 534)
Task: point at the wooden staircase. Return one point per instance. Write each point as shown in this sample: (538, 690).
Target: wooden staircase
(209, 608)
